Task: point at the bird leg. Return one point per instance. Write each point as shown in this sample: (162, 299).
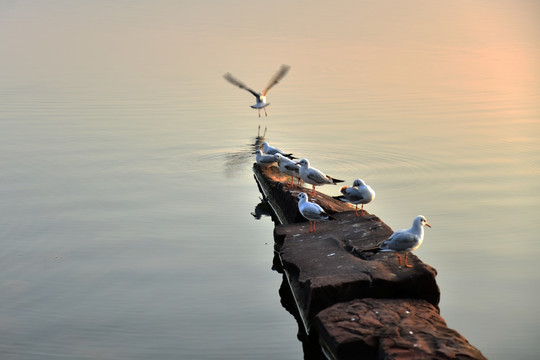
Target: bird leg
(356, 210)
(361, 209)
(399, 258)
(259, 112)
(407, 265)
(265, 114)
(313, 192)
(311, 226)
(292, 182)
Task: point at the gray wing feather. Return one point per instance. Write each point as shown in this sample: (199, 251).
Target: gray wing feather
(240, 84)
(400, 241)
(277, 77)
(312, 210)
(318, 177)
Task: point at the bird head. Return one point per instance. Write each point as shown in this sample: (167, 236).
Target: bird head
(423, 220)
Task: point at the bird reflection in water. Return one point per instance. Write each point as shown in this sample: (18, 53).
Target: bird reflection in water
(262, 209)
(236, 161)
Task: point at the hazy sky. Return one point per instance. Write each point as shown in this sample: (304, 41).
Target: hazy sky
(347, 39)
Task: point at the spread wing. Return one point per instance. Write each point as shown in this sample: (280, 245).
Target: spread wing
(277, 77)
(240, 84)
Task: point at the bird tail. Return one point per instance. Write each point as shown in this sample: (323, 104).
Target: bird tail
(337, 180)
(363, 254)
(328, 216)
(374, 249)
(340, 197)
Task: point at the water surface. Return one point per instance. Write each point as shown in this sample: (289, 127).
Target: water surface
(126, 180)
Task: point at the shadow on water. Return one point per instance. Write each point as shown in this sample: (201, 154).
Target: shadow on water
(262, 209)
(310, 343)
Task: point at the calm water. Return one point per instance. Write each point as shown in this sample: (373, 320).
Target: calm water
(126, 182)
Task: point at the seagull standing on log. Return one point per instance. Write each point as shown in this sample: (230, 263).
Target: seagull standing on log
(261, 96)
(314, 176)
(288, 167)
(265, 161)
(310, 211)
(404, 241)
(359, 193)
(270, 150)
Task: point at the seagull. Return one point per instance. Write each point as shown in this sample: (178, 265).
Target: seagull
(313, 176)
(265, 161)
(288, 167)
(273, 150)
(404, 241)
(261, 97)
(359, 193)
(310, 211)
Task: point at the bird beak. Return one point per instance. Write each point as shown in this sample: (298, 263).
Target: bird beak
(428, 225)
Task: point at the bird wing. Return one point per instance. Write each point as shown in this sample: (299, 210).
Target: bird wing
(277, 77)
(352, 194)
(240, 84)
(400, 241)
(292, 168)
(341, 198)
(318, 177)
(314, 211)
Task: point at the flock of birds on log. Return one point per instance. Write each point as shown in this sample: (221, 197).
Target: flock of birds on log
(400, 242)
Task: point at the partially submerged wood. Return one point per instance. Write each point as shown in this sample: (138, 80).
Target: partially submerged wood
(324, 271)
(329, 278)
(390, 329)
(283, 197)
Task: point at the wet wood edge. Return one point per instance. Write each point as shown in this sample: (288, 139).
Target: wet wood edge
(281, 219)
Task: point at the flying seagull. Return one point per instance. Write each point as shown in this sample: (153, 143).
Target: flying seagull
(261, 97)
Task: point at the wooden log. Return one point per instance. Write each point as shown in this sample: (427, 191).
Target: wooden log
(332, 282)
(390, 329)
